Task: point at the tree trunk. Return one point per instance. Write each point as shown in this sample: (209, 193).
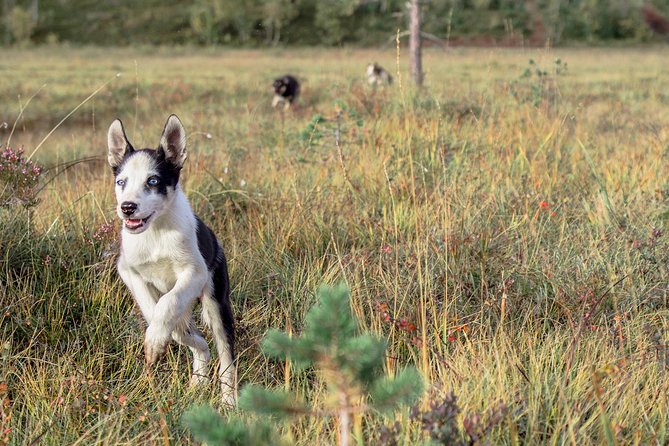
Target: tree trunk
(415, 54)
(277, 33)
(344, 420)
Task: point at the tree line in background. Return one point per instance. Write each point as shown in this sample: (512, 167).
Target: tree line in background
(317, 22)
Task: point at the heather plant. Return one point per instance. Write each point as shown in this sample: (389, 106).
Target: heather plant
(19, 178)
(440, 423)
(19, 182)
(440, 420)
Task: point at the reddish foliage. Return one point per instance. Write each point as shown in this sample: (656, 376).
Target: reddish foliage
(655, 21)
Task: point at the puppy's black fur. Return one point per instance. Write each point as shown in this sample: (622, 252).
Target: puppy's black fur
(287, 87)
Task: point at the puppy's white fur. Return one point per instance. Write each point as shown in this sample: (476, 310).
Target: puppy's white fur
(162, 264)
(377, 75)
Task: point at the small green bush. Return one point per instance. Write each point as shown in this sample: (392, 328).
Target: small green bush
(350, 362)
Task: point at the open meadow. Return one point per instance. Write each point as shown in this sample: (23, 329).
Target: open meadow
(505, 230)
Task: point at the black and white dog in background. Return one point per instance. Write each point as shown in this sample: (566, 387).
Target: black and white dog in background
(169, 257)
(286, 90)
(377, 75)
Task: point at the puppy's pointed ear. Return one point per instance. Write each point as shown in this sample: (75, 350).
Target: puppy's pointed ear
(118, 144)
(173, 141)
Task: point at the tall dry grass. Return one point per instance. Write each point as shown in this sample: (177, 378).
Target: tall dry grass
(504, 231)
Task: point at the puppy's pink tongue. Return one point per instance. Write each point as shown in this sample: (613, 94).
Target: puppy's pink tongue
(133, 223)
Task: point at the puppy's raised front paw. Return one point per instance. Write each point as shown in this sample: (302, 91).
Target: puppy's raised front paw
(154, 346)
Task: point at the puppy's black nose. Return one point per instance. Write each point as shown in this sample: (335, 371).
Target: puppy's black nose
(128, 208)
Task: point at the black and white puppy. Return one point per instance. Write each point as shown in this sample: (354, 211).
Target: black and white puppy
(286, 91)
(377, 75)
(169, 257)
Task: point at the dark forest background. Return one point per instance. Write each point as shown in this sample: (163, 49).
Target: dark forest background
(318, 22)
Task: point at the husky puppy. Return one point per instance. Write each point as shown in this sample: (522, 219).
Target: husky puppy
(169, 257)
(286, 90)
(377, 75)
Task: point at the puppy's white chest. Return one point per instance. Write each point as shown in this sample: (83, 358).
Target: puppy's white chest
(156, 262)
(159, 274)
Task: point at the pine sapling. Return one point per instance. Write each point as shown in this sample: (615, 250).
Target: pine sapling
(349, 362)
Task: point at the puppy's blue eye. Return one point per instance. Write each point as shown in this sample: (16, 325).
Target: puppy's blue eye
(153, 181)
(120, 183)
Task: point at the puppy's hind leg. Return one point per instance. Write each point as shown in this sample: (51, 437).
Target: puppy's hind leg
(192, 338)
(217, 314)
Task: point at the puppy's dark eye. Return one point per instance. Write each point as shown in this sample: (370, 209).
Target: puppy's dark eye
(153, 181)
(120, 183)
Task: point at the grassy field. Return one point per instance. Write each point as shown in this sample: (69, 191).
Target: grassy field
(517, 220)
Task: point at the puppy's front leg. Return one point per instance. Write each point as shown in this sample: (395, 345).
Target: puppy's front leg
(144, 295)
(172, 308)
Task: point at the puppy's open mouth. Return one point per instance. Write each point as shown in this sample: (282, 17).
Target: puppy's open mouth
(134, 224)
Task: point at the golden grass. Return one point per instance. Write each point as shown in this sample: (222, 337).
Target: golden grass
(504, 204)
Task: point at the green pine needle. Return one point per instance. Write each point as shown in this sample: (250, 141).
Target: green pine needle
(364, 356)
(208, 426)
(279, 345)
(331, 319)
(271, 402)
(389, 393)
